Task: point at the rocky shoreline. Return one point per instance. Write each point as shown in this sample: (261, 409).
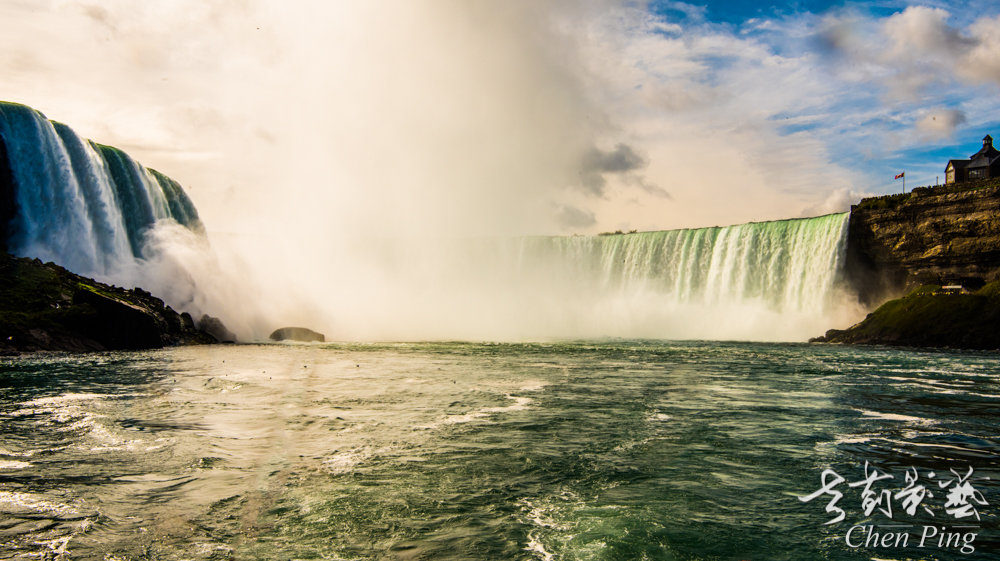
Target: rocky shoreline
(44, 307)
(931, 317)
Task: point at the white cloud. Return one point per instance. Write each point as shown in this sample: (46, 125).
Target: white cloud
(982, 62)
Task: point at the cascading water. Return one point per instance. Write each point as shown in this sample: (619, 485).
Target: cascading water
(788, 265)
(85, 206)
(763, 281)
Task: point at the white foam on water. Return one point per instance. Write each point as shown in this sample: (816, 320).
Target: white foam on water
(454, 420)
(68, 411)
(520, 404)
(345, 462)
(853, 439)
(511, 386)
(538, 517)
(934, 445)
(10, 464)
(57, 545)
(458, 419)
(536, 546)
(63, 399)
(12, 502)
(896, 417)
(211, 549)
(27, 453)
(359, 426)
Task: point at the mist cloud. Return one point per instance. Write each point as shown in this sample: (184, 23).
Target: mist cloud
(624, 162)
(570, 217)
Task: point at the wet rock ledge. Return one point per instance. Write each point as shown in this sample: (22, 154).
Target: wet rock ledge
(44, 307)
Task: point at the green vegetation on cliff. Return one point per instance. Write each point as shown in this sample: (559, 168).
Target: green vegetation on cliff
(930, 317)
(898, 199)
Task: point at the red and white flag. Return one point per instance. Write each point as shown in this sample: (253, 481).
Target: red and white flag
(901, 175)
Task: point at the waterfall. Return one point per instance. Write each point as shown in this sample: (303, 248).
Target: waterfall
(776, 281)
(786, 265)
(82, 205)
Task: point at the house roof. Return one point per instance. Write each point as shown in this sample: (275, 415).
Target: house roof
(987, 156)
(983, 161)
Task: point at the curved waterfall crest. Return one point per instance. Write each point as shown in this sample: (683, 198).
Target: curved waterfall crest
(788, 265)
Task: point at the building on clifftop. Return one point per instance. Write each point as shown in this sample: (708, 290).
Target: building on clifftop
(984, 164)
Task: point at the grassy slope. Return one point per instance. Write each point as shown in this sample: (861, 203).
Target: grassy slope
(929, 318)
(33, 296)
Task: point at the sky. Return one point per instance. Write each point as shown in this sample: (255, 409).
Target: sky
(300, 127)
(520, 117)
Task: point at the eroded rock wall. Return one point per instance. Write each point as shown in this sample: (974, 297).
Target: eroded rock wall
(932, 236)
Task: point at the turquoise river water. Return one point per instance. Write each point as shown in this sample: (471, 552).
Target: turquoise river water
(618, 449)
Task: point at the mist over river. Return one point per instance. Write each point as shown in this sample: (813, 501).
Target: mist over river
(612, 449)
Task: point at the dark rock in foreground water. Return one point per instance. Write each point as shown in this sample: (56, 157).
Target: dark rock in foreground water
(930, 317)
(297, 334)
(44, 307)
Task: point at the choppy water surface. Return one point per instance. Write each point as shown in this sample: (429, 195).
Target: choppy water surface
(611, 450)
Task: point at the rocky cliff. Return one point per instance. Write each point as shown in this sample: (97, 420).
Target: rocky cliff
(939, 235)
(45, 307)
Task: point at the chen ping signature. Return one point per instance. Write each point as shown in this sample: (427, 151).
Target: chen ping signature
(948, 495)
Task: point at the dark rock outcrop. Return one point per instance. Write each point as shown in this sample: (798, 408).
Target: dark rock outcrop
(934, 235)
(297, 334)
(215, 328)
(119, 323)
(45, 307)
(930, 317)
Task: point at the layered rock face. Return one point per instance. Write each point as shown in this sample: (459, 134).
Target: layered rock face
(930, 236)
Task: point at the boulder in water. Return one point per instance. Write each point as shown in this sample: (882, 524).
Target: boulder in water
(215, 328)
(297, 334)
